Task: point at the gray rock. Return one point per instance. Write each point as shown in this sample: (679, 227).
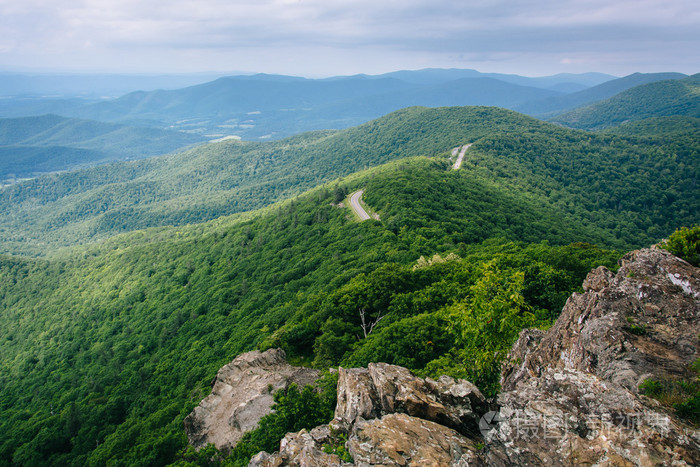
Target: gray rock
(385, 389)
(400, 440)
(570, 395)
(643, 321)
(242, 394)
(302, 449)
(357, 397)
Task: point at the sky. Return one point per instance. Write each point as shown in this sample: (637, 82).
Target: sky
(317, 38)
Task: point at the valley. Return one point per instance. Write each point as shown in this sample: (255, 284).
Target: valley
(125, 285)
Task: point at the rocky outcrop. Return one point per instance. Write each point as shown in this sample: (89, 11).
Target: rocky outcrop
(640, 323)
(241, 395)
(400, 439)
(392, 417)
(571, 394)
(304, 449)
(383, 389)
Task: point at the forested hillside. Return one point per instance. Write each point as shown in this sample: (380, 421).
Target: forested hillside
(659, 99)
(105, 350)
(642, 189)
(106, 347)
(33, 146)
(550, 106)
(224, 178)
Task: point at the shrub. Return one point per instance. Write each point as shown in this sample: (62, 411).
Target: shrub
(685, 243)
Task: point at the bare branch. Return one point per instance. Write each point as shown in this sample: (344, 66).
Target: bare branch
(368, 327)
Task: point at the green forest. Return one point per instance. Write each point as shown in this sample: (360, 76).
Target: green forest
(50, 143)
(598, 177)
(105, 347)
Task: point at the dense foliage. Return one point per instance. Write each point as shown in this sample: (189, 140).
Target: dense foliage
(104, 351)
(224, 178)
(684, 243)
(608, 181)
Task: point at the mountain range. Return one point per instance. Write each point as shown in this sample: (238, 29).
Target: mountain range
(31, 146)
(261, 107)
(125, 286)
(664, 98)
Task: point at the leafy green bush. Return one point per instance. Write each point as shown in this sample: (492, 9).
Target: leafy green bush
(651, 388)
(338, 447)
(485, 326)
(685, 243)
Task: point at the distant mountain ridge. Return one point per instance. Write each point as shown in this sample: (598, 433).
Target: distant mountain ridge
(263, 106)
(674, 97)
(49, 143)
(557, 104)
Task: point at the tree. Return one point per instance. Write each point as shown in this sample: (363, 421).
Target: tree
(487, 323)
(685, 243)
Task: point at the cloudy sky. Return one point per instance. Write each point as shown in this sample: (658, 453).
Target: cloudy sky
(332, 37)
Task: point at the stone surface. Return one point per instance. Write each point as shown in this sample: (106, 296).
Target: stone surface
(385, 389)
(242, 394)
(641, 323)
(357, 397)
(571, 394)
(400, 440)
(302, 449)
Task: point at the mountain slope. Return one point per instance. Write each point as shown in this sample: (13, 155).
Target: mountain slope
(659, 99)
(225, 178)
(609, 181)
(51, 143)
(261, 107)
(106, 349)
(91, 85)
(433, 76)
(264, 106)
(558, 104)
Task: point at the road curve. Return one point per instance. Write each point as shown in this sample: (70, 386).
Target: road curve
(461, 155)
(356, 207)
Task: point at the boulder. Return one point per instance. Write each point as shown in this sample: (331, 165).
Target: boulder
(386, 389)
(241, 395)
(357, 397)
(400, 440)
(640, 323)
(571, 394)
(302, 449)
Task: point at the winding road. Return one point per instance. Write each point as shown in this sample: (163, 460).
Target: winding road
(356, 207)
(355, 197)
(458, 164)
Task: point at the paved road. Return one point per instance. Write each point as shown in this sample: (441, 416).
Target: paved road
(356, 207)
(458, 164)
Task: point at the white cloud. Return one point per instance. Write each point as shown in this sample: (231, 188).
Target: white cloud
(262, 34)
